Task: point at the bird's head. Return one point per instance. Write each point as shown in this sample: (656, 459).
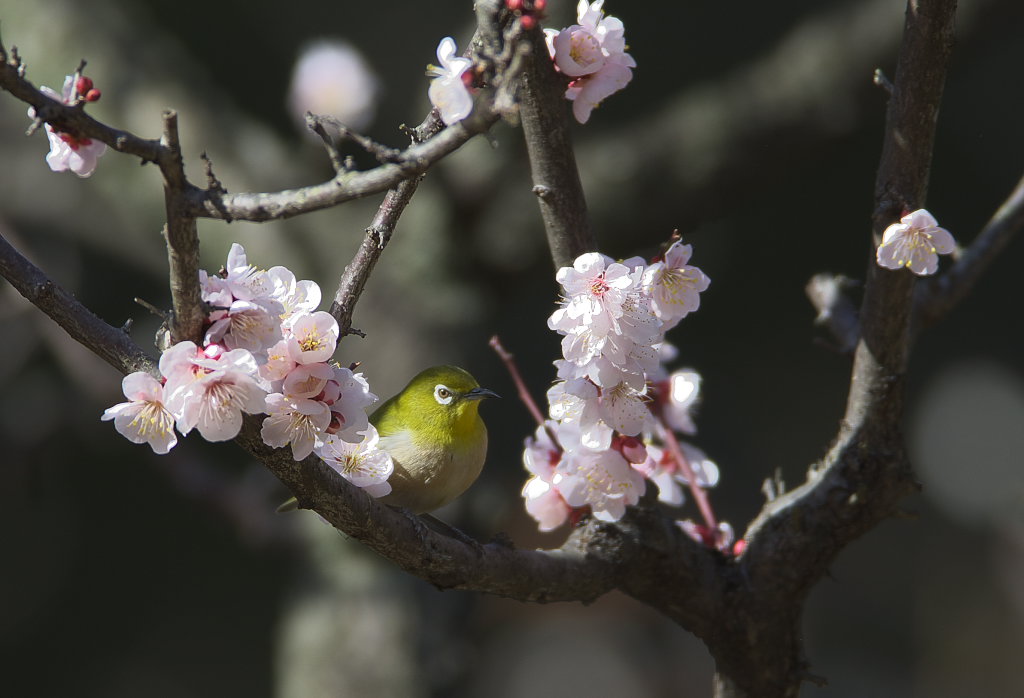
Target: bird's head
(441, 403)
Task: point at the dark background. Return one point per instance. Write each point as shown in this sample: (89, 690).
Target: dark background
(755, 130)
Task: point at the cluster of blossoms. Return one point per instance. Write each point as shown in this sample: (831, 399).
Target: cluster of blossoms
(67, 151)
(592, 53)
(915, 243)
(266, 350)
(614, 395)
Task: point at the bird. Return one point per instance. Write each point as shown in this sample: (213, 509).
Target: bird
(437, 441)
(433, 431)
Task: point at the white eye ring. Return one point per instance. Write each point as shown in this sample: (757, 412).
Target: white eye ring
(443, 394)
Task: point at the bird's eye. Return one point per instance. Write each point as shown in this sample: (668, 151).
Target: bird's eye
(442, 394)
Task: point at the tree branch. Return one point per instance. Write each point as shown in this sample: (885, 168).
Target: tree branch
(182, 237)
(940, 294)
(866, 473)
(556, 181)
(111, 344)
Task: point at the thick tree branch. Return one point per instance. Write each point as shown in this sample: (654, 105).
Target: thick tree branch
(556, 181)
(866, 473)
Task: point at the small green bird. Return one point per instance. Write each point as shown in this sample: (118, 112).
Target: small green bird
(435, 436)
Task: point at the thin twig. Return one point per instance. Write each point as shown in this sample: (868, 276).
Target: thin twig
(700, 495)
(524, 392)
(316, 124)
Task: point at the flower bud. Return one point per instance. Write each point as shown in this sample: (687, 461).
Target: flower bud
(83, 85)
(93, 95)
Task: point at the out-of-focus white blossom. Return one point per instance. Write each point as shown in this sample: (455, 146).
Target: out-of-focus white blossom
(915, 243)
(332, 78)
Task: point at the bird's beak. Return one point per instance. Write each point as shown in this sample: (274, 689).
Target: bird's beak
(480, 394)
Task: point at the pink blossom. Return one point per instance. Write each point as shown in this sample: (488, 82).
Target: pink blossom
(915, 243)
(593, 52)
(601, 479)
(279, 363)
(297, 421)
(209, 389)
(674, 286)
(307, 380)
(144, 418)
(314, 338)
(348, 409)
(545, 504)
(69, 152)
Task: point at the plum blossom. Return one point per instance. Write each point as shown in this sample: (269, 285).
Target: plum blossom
(144, 418)
(448, 91)
(594, 52)
(253, 325)
(362, 463)
(313, 339)
(67, 151)
(614, 394)
(543, 500)
(915, 243)
(348, 403)
(603, 480)
(298, 421)
(297, 298)
(209, 389)
(681, 394)
(673, 285)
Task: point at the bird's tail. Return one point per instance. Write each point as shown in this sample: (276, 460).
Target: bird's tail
(291, 505)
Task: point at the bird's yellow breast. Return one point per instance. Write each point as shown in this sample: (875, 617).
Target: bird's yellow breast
(429, 475)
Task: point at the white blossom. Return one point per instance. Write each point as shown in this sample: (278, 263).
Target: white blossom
(915, 243)
(362, 463)
(144, 418)
(447, 90)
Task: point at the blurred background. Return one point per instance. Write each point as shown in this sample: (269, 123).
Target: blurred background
(128, 574)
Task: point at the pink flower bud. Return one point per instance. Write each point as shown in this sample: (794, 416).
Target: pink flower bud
(514, 5)
(528, 22)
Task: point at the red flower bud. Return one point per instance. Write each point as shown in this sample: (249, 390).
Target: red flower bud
(528, 22)
(93, 95)
(514, 5)
(83, 85)
(738, 547)
(540, 5)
